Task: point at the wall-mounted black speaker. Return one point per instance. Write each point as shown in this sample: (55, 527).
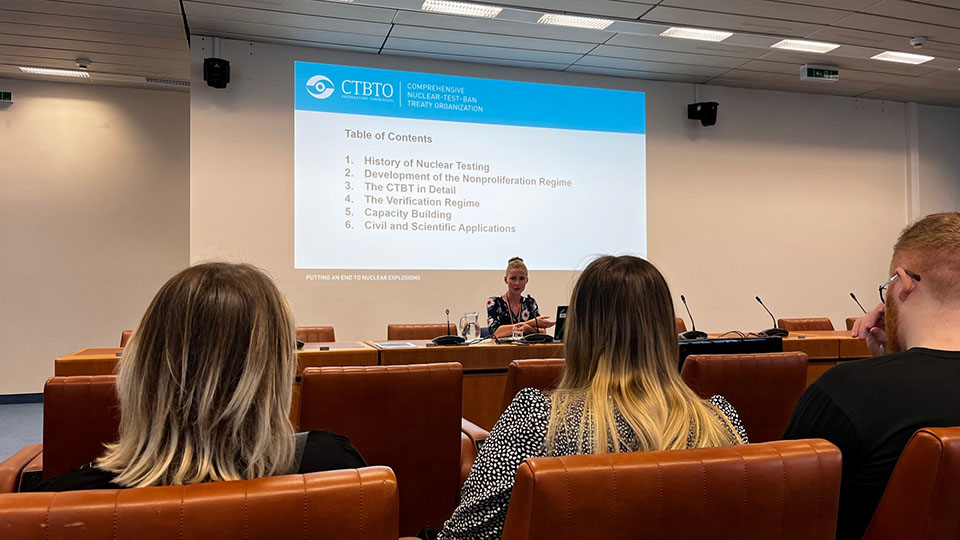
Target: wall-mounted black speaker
(216, 71)
(705, 112)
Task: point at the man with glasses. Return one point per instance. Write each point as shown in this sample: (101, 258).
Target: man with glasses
(870, 408)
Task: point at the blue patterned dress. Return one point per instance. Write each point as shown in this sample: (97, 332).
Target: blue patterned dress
(498, 312)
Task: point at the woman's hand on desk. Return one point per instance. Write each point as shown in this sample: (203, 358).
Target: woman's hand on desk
(541, 323)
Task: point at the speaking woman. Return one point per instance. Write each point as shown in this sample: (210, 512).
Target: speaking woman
(512, 309)
(620, 392)
(205, 385)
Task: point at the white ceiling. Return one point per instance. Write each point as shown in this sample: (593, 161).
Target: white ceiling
(129, 40)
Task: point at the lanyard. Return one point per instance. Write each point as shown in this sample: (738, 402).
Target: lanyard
(519, 311)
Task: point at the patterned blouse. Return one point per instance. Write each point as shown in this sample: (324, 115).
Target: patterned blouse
(498, 311)
(519, 434)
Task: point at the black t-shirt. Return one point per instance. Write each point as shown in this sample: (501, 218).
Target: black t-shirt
(870, 409)
(324, 451)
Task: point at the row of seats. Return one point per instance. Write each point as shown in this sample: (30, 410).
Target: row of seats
(783, 489)
(363, 403)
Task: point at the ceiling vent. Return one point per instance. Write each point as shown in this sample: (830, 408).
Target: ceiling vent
(173, 82)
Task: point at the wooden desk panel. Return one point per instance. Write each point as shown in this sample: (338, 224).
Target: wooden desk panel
(103, 361)
(816, 347)
(484, 369)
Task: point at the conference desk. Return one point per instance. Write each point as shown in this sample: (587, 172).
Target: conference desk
(484, 369)
(825, 348)
(103, 361)
(484, 364)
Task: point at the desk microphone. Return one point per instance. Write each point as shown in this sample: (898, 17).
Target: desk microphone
(691, 334)
(449, 339)
(772, 332)
(858, 303)
(538, 337)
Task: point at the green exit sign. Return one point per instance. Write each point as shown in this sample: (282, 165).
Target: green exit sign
(6, 97)
(820, 73)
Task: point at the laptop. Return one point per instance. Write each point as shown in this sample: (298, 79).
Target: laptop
(561, 322)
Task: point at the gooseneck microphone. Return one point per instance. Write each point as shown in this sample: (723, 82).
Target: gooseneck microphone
(691, 334)
(449, 339)
(858, 303)
(538, 337)
(772, 332)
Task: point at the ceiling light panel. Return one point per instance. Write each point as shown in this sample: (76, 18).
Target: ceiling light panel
(579, 22)
(461, 8)
(57, 72)
(902, 57)
(818, 47)
(698, 34)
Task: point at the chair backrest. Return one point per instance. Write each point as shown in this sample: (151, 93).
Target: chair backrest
(125, 337)
(785, 489)
(542, 374)
(681, 326)
(922, 498)
(805, 324)
(419, 331)
(406, 417)
(80, 415)
(351, 503)
(316, 334)
(764, 388)
(850, 321)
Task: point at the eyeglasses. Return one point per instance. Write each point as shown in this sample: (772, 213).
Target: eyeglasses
(913, 276)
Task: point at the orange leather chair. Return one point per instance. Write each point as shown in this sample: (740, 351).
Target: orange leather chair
(681, 326)
(316, 334)
(125, 337)
(542, 374)
(80, 415)
(345, 504)
(805, 325)
(850, 321)
(785, 489)
(764, 388)
(419, 331)
(405, 417)
(922, 498)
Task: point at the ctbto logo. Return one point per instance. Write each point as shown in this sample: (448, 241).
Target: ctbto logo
(320, 87)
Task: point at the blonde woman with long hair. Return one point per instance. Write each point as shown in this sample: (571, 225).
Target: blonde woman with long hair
(205, 385)
(620, 392)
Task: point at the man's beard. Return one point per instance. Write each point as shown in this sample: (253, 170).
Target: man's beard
(890, 327)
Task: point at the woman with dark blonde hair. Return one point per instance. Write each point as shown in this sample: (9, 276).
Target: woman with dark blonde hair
(620, 392)
(205, 385)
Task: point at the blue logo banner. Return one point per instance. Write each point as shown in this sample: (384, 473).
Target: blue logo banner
(404, 94)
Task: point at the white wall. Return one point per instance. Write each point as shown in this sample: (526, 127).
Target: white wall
(773, 201)
(939, 145)
(93, 217)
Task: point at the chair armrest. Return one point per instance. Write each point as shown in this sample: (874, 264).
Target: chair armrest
(476, 433)
(472, 437)
(11, 468)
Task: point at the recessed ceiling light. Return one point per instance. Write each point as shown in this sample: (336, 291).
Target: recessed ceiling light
(805, 46)
(461, 8)
(695, 33)
(902, 57)
(579, 22)
(59, 72)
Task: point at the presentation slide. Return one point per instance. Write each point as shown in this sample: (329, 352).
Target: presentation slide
(398, 170)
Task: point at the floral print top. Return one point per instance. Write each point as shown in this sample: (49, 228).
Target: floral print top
(498, 312)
